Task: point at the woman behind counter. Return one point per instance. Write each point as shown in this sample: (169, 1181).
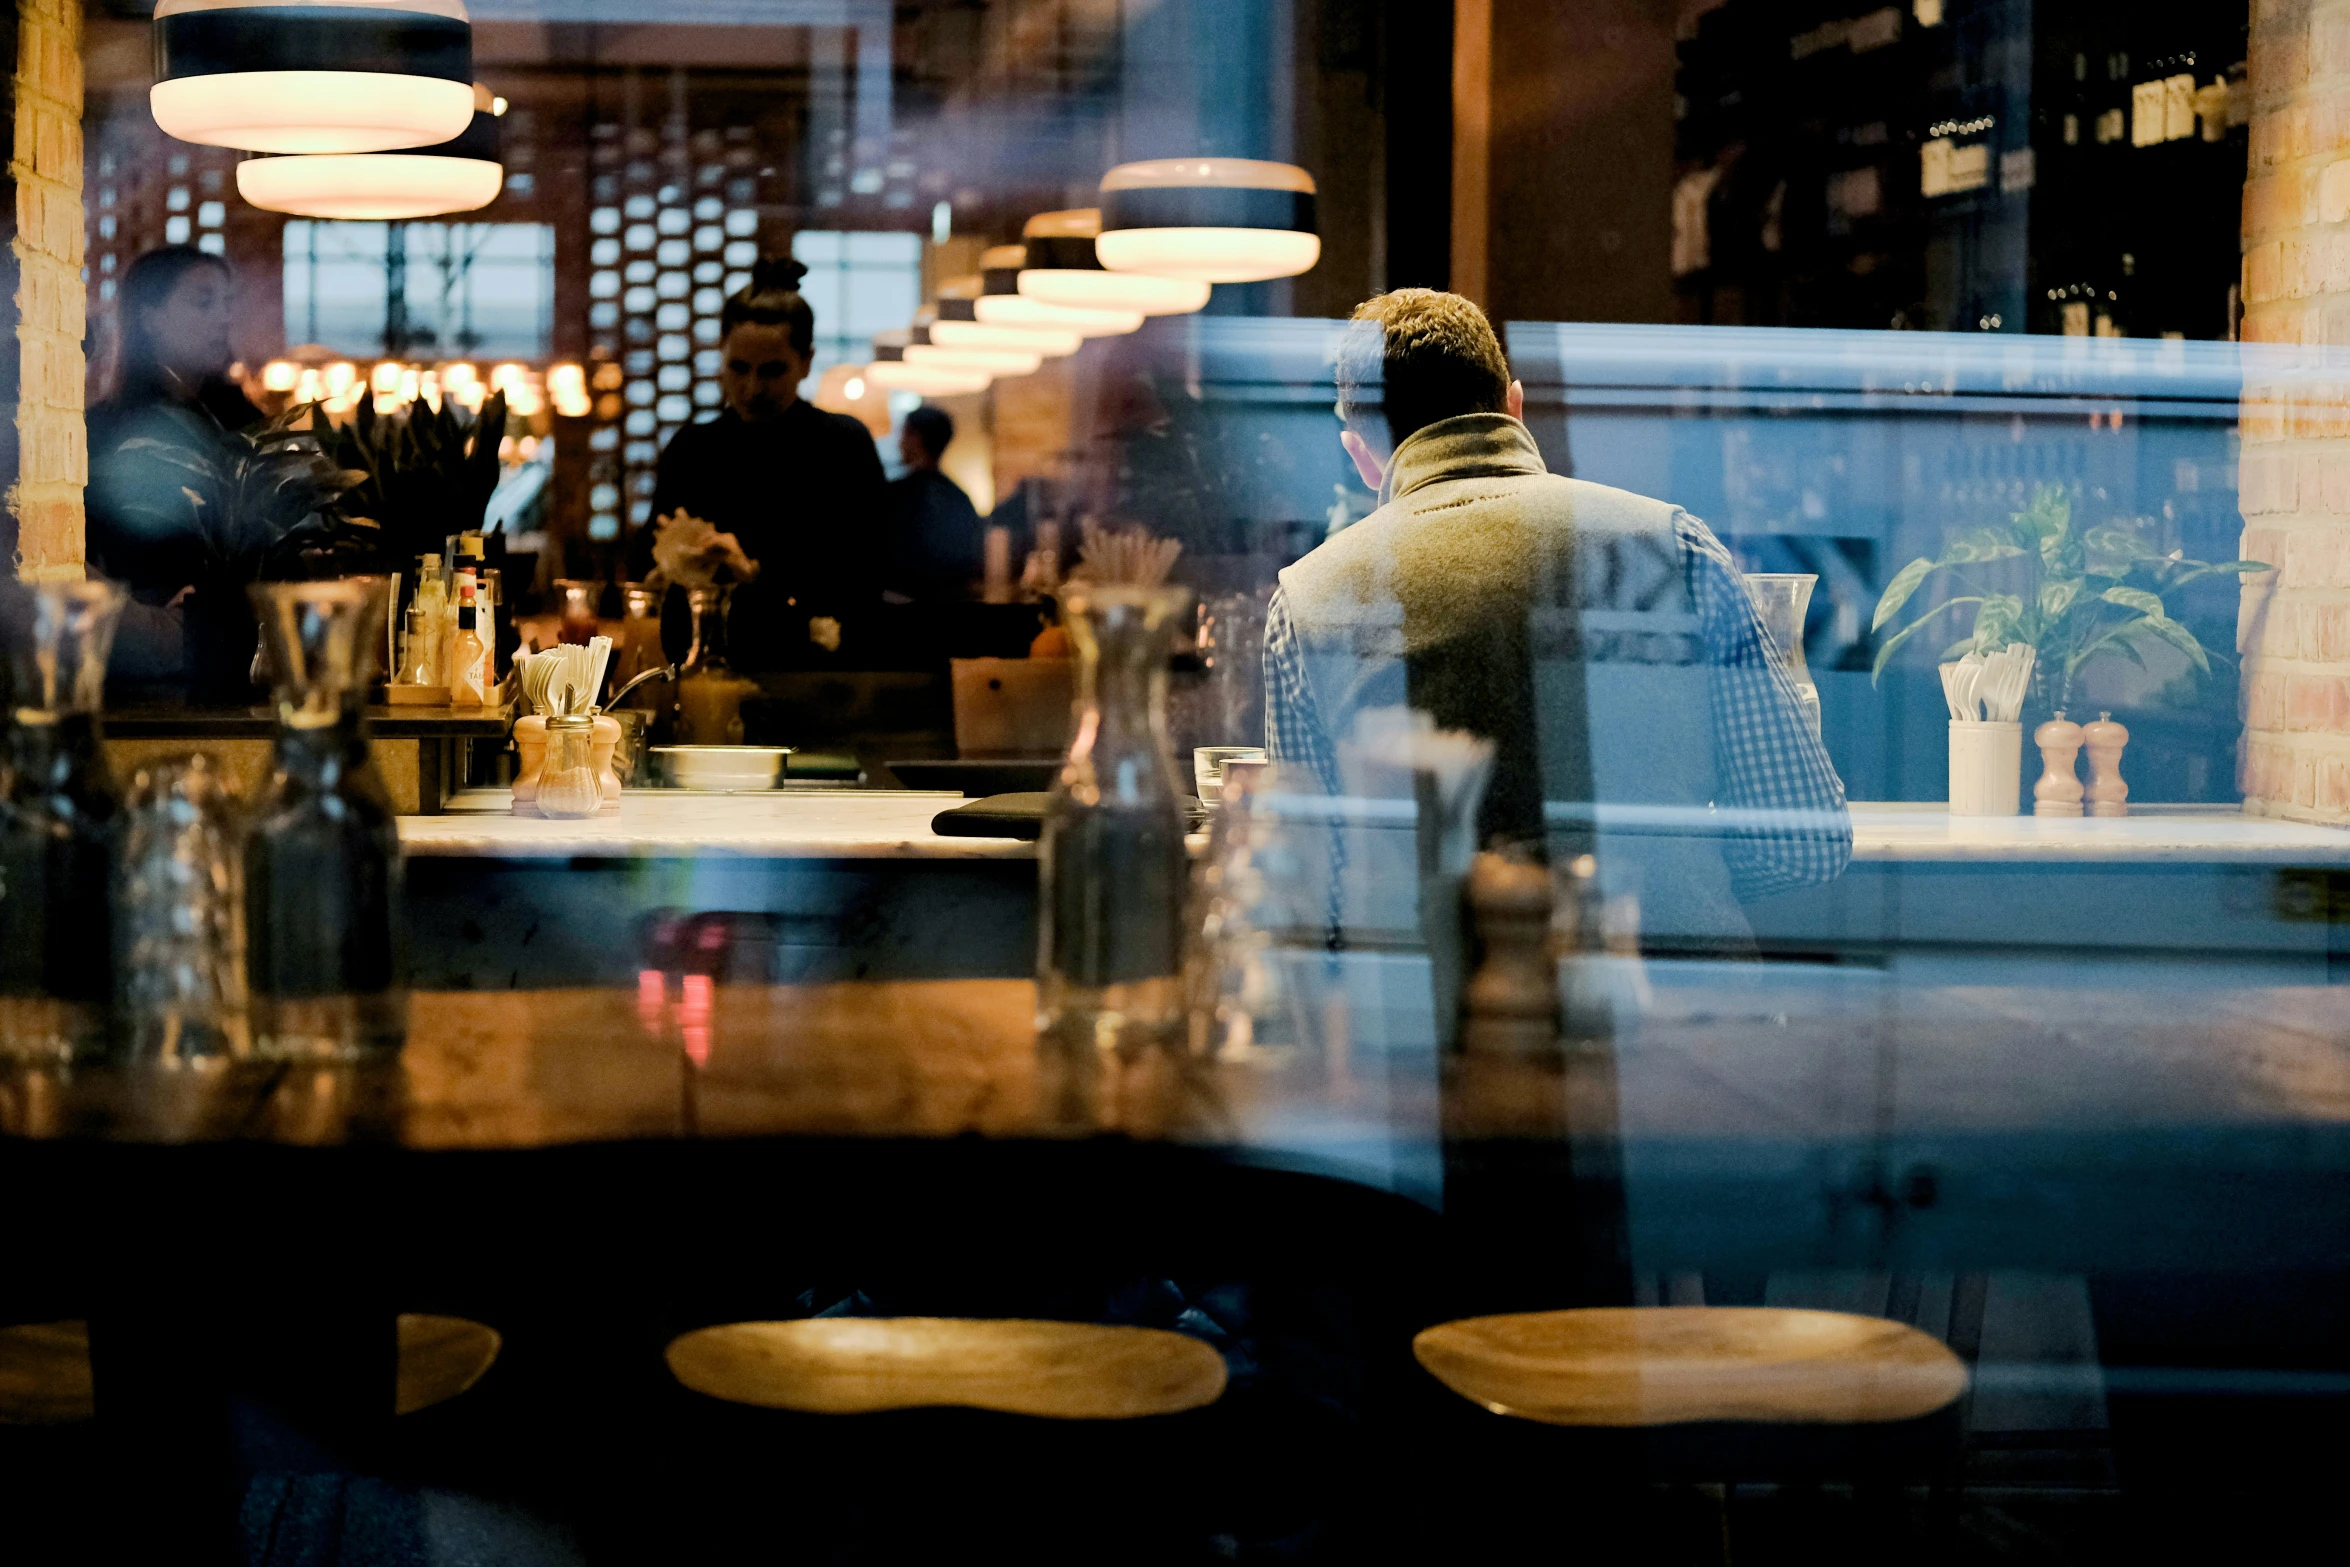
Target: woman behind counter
(796, 493)
(170, 386)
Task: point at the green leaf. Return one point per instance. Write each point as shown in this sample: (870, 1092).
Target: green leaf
(1997, 620)
(1897, 592)
(2165, 629)
(1983, 544)
(2118, 543)
(1894, 641)
(2227, 568)
(2139, 599)
(2057, 596)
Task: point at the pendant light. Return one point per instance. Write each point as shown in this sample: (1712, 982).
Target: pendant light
(1220, 220)
(958, 326)
(891, 371)
(1062, 268)
(420, 182)
(921, 350)
(316, 76)
(1001, 303)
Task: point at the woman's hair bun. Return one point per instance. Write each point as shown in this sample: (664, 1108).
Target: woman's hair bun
(777, 275)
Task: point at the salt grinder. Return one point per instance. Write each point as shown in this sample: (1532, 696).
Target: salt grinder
(2108, 795)
(2058, 793)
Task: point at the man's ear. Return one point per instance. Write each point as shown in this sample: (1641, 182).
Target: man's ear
(1513, 402)
(1367, 462)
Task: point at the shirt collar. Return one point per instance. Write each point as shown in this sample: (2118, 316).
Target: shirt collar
(1470, 446)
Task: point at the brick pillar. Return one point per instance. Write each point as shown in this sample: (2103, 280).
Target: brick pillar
(54, 458)
(2294, 624)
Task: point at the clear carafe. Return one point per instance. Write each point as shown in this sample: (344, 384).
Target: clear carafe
(709, 693)
(325, 954)
(1784, 598)
(180, 996)
(1112, 867)
(58, 824)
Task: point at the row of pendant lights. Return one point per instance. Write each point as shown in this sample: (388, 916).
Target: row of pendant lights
(1165, 233)
(348, 108)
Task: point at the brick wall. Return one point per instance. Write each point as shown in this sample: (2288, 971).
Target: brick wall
(53, 461)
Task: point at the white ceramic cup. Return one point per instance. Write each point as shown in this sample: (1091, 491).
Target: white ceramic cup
(1986, 768)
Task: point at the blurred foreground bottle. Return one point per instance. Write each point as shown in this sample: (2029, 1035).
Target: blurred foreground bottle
(180, 980)
(1112, 870)
(57, 827)
(324, 944)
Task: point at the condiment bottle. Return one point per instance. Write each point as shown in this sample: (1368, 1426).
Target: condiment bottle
(570, 786)
(416, 647)
(465, 660)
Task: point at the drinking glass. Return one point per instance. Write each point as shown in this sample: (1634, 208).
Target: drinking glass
(1111, 865)
(1784, 599)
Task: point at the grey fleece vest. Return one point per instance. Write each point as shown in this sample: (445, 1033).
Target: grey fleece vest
(1552, 616)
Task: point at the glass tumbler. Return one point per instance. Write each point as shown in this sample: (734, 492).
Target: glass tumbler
(180, 987)
(1784, 598)
(1112, 869)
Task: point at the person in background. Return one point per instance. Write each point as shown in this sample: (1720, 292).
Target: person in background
(797, 494)
(936, 550)
(171, 402)
(1603, 641)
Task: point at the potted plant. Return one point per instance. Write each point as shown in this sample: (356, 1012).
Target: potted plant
(267, 506)
(2072, 594)
(424, 473)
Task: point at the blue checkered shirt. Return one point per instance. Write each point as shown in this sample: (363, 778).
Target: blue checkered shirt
(1784, 819)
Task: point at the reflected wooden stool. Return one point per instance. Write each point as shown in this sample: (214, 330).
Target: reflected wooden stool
(45, 1374)
(1641, 1368)
(862, 1365)
(1677, 1365)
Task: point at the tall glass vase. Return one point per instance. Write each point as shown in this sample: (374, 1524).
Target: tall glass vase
(1783, 598)
(325, 954)
(58, 823)
(1112, 867)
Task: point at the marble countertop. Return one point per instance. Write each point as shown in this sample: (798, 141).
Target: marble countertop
(816, 824)
(1901, 832)
(852, 824)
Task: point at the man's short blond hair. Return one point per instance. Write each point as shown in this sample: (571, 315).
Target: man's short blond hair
(1419, 355)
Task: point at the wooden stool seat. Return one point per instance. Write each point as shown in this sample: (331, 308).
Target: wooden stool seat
(857, 1365)
(1674, 1365)
(45, 1367)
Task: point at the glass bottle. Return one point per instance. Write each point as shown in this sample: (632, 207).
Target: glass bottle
(325, 956)
(640, 644)
(1112, 866)
(579, 609)
(58, 823)
(1783, 598)
(570, 785)
(709, 693)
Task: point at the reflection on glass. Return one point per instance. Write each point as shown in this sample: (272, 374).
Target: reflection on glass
(1112, 866)
(57, 829)
(181, 995)
(322, 866)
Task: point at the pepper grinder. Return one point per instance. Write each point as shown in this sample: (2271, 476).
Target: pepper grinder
(2058, 793)
(2108, 795)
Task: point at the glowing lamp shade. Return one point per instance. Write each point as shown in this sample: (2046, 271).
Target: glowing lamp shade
(895, 375)
(985, 361)
(1216, 220)
(1042, 342)
(314, 76)
(458, 175)
(1061, 268)
(1020, 310)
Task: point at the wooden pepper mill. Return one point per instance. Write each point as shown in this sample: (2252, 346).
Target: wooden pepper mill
(1510, 1007)
(2058, 793)
(2108, 795)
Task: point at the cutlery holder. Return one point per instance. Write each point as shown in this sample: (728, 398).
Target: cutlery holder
(1986, 768)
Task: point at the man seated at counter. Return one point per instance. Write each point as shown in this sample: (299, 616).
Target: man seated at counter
(936, 551)
(1603, 641)
(797, 494)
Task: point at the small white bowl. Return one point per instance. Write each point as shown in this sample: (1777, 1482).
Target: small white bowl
(723, 766)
